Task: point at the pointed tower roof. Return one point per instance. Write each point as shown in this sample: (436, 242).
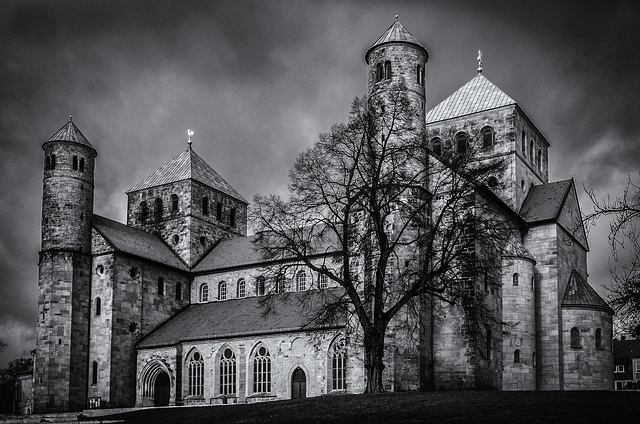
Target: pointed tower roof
(69, 132)
(579, 294)
(188, 165)
(395, 34)
(477, 95)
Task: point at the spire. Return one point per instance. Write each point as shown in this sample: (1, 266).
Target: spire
(396, 33)
(479, 61)
(69, 132)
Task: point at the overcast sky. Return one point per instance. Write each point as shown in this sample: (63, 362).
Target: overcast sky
(259, 80)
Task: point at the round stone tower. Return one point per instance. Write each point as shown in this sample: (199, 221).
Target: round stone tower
(64, 284)
(398, 57)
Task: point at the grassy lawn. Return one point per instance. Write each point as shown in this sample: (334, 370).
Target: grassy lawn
(435, 407)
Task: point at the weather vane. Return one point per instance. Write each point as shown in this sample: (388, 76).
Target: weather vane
(190, 134)
(479, 61)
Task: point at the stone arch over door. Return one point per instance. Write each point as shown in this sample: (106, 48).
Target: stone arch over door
(298, 383)
(162, 390)
(155, 384)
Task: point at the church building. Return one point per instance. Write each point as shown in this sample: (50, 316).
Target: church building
(166, 308)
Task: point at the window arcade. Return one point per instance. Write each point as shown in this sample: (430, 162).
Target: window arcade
(301, 281)
(262, 370)
(242, 289)
(222, 291)
(204, 292)
(487, 137)
(228, 372)
(196, 374)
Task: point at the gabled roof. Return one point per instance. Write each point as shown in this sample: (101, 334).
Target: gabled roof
(579, 294)
(136, 242)
(477, 95)
(544, 202)
(69, 132)
(396, 33)
(242, 317)
(188, 165)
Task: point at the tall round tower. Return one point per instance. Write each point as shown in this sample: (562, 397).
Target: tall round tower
(64, 284)
(398, 57)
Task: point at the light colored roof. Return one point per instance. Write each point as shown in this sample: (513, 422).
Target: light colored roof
(395, 34)
(242, 317)
(544, 202)
(477, 95)
(69, 132)
(188, 165)
(579, 294)
(136, 242)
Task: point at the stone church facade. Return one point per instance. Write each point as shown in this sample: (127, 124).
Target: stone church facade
(166, 309)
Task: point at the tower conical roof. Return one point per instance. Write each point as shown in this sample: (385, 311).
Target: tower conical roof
(188, 165)
(395, 34)
(69, 132)
(477, 95)
(579, 294)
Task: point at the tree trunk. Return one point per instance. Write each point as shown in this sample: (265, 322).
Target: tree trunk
(373, 364)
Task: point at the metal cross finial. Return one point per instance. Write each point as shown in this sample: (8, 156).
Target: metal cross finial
(190, 134)
(479, 61)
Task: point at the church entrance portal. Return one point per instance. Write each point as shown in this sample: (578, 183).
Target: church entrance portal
(162, 390)
(298, 384)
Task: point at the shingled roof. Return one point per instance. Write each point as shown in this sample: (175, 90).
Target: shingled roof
(242, 317)
(136, 242)
(544, 202)
(396, 33)
(579, 294)
(477, 95)
(188, 165)
(69, 132)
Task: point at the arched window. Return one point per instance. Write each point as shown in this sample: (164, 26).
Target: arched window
(539, 160)
(94, 373)
(379, 75)
(158, 209)
(338, 365)
(205, 206)
(522, 185)
(232, 217)
(81, 164)
(575, 338)
(599, 338)
(418, 74)
(279, 288)
(533, 359)
(242, 289)
(196, 375)
(174, 203)
(524, 143)
(516, 356)
(461, 142)
(47, 162)
(160, 286)
(222, 291)
(144, 211)
(204, 292)
(531, 150)
(53, 161)
(323, 281)
(262, 371)
(260, 286)
(75, 163)
(219, 211)
(301, 281)
(533, 282)
(436, 146)
(516, 277)
(487, 137)
(178, 291)
(98, 306)
(387, 69)
(228, 373)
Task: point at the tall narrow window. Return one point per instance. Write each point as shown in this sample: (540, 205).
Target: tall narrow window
(242, 288)
(387, 69)
(436, 146)
(196, 375)
(260, 286)
(418, 74)
(94, 373)
(53, 161)
(75, 163)
(516, 277)
(81, 164)
(524, 143)
(204, 293)
(539, 160)
(461, 142)
(262, 371)
(379, 75)
(232, 217)
(575, 338)
(174, 203)
(301, 281)
(599, 338)
(205, 206)
(219, 211)
(98, 306)
(531, 150)
(178, 291)
(228, 373)
(160, 286)
(322, 281)
(279, 284)
(222, 291)
(158, 209)
(144, 211)
(487, 137)
(47, 162)
(516, 356)
(338, 365)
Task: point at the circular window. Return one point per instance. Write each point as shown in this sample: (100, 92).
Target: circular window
(133, 327)
(203, 240)
(196, 356)
(99, 270)
(298, 346)
(228, 353)
(176, 239)
(262, 351)
(492, 181)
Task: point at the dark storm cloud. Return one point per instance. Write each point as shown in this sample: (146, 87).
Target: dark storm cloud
(259, 80)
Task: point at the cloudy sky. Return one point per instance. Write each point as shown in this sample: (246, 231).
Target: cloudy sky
(259, 80)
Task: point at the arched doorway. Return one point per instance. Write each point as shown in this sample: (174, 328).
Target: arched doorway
(298, 384)
(162, 390)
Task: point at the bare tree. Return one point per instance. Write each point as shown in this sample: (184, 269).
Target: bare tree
(392, 224)
(3, 345)
(623, 294)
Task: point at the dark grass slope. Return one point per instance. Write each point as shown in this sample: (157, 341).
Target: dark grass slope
(433, 407)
